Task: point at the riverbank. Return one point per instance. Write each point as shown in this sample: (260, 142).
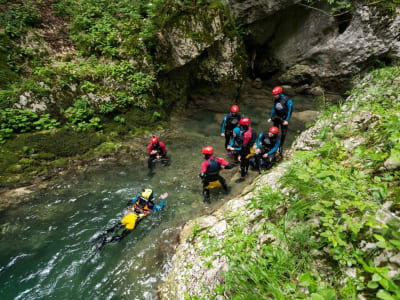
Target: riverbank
(324, 224)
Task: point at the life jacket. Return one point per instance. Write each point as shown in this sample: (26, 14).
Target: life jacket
(232, 121)
(268, 142)
(238, 141)
(213, 169)
(143, 205)
(157, 147)
(281, 107)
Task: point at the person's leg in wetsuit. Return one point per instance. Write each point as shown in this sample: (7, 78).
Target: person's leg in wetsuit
(269, 161)
(206, 193)
(284, 128)
(223, 183)
(228, 136)
(150, 161)
(164, 160)
(244, 165)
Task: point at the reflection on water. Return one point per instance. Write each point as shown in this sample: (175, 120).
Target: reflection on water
(45, 250)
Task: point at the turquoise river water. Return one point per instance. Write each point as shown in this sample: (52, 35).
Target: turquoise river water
(45, 248)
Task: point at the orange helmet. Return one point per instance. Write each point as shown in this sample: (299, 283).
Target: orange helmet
(277, 90)
(234, 108)
(154, 139)
(244, 121)
(207, 150)
(274, 130)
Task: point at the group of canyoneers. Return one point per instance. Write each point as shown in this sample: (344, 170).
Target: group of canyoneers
(240, 139)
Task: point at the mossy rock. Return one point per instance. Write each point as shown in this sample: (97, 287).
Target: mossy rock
(60, 163)
(44, 156)
(106, 148)
(7, 159)
(61, 143)
(17, 168)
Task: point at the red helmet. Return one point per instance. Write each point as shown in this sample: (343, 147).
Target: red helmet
(274, 130)
(276, 90)
(207, 150)
(154, 139)
(244, 121)
(234, 108)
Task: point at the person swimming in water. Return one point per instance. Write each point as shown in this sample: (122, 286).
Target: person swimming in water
(139, 207)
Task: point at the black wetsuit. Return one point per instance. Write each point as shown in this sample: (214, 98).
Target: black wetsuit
(228, 124)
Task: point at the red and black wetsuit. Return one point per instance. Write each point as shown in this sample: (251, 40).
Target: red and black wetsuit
(249, 138)
(161, 150)
(210, 172)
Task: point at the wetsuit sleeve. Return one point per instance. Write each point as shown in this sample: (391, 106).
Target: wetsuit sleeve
(273, 111)
(232, 141)
(259, 140)
(159, 207)
(204, 166)
(223, 124)
(222, 161)
(273, 150)
(150, 148)
(163, 148)
(289, 105)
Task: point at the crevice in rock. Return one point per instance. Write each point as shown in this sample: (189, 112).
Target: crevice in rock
(343, 22)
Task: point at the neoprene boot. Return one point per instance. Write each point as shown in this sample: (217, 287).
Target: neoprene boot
(206, 194)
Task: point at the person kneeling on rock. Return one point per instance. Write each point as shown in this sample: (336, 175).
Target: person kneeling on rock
(267, 144)
(209, 172)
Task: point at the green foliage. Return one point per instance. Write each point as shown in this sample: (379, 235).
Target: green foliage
(106, 108)
(21, 121)
(307, 241)
(19, 16)
(80, 118)
(119, 119)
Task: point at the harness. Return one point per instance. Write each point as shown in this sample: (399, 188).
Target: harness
(232, 121)
(212, 172)
(143, 205)
(268, 142)
(238, 142)
(281, 107)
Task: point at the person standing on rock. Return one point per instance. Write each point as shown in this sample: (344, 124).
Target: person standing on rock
(281, 113)
(229, 123)
(157, 151)
(209, 172)
(249, 138)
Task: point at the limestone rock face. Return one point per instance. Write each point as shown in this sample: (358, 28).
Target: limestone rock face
(201, 39)
(251, 11)
(307, 45)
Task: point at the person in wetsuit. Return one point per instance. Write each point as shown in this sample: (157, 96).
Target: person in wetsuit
(209, 172)
(230, 122)
(236, 144)
(267, 144)
(281, 113)
(157, 151)
(249, 138)
(139, 207)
